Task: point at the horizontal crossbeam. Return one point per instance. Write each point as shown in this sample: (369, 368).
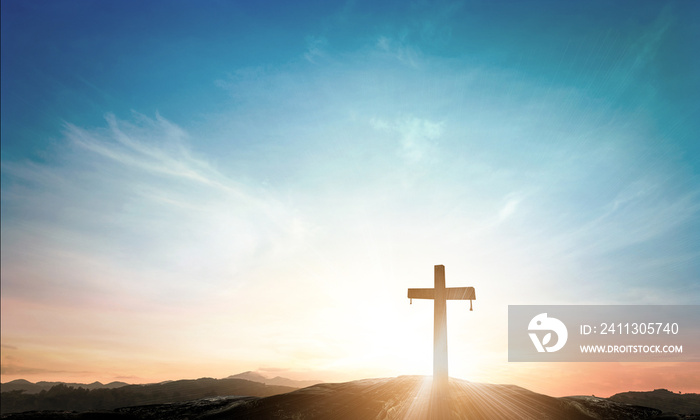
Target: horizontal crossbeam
(451, 293)
(460, 293)
(421, 293)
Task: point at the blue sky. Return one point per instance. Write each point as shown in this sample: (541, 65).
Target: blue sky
(174, 171)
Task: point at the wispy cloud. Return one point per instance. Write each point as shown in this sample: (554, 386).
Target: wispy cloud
(640, 212)
(315, 48)
(133, 193)
(647, 46)
(400, 50)
(508, 209)
(157, 147)
(417, 136)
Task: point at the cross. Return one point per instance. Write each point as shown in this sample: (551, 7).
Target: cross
(440, 294)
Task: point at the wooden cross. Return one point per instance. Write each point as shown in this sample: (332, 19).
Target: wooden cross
(440, 294)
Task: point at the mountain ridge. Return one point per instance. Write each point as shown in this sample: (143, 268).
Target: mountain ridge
(401, 397)
(277, 380)
(64, 397)
(35, 388)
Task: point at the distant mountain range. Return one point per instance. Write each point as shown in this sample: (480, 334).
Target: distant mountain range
(71, 398)
(277, 380)
(388, 398)
(405, 397)
(35, 388)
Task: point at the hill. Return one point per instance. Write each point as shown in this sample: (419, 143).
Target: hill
(412, 397)
(405, 397)
(64, 397)
(662, 399)
(35, 388)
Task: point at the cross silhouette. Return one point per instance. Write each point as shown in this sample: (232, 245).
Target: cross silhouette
(441, 294)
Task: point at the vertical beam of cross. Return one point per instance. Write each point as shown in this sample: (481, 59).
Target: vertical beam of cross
(440, 295)
(440, 328)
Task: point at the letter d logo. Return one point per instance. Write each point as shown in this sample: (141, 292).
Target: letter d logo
(542, 323)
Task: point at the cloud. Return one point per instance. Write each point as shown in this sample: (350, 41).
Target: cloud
(417, 137)
(649, 43)
(508, 209)
(133, 201)
(315, 48)
(134, 147)
(640, 212)
(401, 51)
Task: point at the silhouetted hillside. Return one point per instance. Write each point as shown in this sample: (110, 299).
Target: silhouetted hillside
(405, 397)
(63, 397)
(34, 388)
(662, 399)
(412, 397)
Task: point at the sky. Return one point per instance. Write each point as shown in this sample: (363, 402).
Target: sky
(196, 189)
